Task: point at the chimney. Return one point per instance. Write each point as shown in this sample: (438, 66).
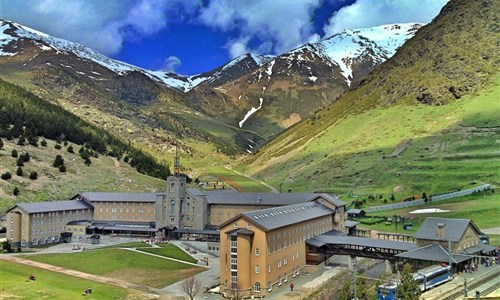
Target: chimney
(441, 230)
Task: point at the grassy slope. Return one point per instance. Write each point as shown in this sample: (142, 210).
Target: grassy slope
(104, 174)
(452, 146)
(129, 266)
(49, 285)
(339, 149)
(483, 210)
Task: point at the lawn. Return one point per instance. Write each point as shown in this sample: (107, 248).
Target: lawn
(123, 264)
(50, 285)
(127, 245)
(169, 250)
(484, 211)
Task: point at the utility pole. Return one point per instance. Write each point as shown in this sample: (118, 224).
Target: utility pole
(449, 253)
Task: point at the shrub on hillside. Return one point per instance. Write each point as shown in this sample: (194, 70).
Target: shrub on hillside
(1, 143)
(20, 162)
(70, 149)
(14, 153)
(6, 176)
(57, 146)
(58, 161)
(34, 175)
(22, 141)
(25, 157)
(19, 171)
(43, 143)
(16, 191)
(62, 168)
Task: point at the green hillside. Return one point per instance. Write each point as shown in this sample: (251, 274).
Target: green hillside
(440, 93)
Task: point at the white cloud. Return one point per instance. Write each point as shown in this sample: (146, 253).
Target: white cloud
(238, 47)
(280, 24)
(101, 25)
(369, 13)
(171, 63)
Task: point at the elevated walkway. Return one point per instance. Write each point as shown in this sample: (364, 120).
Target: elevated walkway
(333, 244)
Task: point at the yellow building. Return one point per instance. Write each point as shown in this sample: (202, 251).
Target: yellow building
(121, 207)
(262, 249)
(31, 224)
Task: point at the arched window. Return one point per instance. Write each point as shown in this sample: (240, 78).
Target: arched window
(172, 207)
(257, 287)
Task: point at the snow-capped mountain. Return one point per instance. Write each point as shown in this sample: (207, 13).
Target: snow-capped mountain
(234, 69)
(262, 93)
(15, 37)
(317, 73)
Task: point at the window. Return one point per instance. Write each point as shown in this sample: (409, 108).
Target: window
(172, 206)
(279, 263)
(249, 226)
(269, 268)
(257, 251)
(257, 269)
(257, 287)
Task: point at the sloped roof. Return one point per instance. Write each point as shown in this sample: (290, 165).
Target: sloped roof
(434, 252)
(350, 224)
(39, 207)
(328, 238)
(265, 199)
(277, 217)
(355, 211)
(118, 197)
(454, 229)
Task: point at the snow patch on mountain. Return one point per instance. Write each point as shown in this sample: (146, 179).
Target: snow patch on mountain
(251, 112)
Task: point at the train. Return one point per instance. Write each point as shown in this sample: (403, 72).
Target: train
(427, 278)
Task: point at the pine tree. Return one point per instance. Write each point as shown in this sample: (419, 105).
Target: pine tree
(408, 289)
(16, 191)
(19, 171)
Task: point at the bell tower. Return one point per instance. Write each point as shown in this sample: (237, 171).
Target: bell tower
(170, 205)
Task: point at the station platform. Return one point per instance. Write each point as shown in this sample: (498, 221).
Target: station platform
(455, 289)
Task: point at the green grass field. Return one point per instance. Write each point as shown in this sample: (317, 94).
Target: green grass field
(123, 264)
(127, 245)
(484, 211)
(50, 285)
(452, 145)
(236, 181)
(171, 251)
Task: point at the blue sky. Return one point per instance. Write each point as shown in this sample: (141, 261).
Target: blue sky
(193, 36)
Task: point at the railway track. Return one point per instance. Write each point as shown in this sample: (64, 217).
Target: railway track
(475, 284)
